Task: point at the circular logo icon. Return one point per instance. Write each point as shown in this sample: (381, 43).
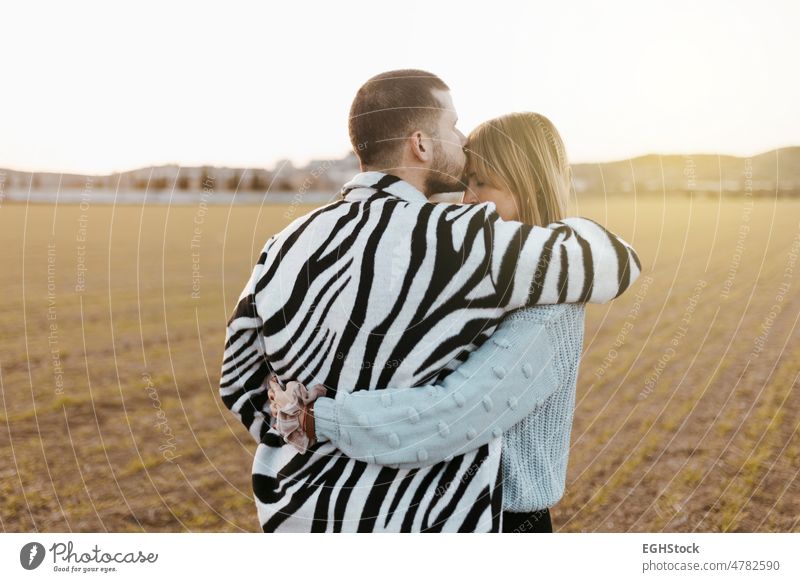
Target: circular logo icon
(31, 555)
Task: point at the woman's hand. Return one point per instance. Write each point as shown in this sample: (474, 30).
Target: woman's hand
(292, 408)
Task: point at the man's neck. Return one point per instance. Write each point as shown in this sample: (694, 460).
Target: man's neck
(413, 176)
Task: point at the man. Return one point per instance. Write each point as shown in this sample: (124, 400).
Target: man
(384, 289)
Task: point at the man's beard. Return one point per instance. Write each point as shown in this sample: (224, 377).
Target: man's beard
(445, 175)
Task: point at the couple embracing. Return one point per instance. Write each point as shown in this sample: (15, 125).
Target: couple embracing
(411, 366)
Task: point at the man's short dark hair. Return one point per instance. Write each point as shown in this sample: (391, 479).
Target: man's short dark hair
(389, 107)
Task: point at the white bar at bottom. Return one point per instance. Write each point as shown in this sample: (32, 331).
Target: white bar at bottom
(389, 557)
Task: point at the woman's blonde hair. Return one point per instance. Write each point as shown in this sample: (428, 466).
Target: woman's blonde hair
(523, 153)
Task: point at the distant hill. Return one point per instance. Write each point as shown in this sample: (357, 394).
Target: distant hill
(767, 173)
(776, 172)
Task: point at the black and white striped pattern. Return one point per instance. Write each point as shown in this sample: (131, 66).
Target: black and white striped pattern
(382, 289)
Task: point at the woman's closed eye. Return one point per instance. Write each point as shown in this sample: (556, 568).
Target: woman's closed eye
(472, 182)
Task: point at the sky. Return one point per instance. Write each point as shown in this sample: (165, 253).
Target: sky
(104, 86)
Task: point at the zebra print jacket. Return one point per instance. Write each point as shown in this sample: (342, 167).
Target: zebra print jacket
(382, 289)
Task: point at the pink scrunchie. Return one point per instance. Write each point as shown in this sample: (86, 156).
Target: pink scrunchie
(286, 408)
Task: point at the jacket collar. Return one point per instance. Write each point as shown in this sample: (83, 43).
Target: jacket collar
(366, 184)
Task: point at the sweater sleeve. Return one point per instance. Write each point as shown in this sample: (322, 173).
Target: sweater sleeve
(575, 260)
(497, 386)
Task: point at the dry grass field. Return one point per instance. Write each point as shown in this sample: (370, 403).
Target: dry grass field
(111, 333)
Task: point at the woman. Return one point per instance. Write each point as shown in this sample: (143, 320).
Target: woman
(520, 385)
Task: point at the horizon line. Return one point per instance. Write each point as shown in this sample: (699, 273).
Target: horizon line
(295, 165)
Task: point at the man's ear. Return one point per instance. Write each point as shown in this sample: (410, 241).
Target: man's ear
(421, 147)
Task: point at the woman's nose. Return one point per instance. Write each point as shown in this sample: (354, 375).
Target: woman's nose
(469, 197)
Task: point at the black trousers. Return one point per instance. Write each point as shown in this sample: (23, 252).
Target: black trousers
(533, 522)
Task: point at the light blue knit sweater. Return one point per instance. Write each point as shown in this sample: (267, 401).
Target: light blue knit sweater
(520, 383)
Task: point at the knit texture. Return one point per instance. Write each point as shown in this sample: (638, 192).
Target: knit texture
(536, 450)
